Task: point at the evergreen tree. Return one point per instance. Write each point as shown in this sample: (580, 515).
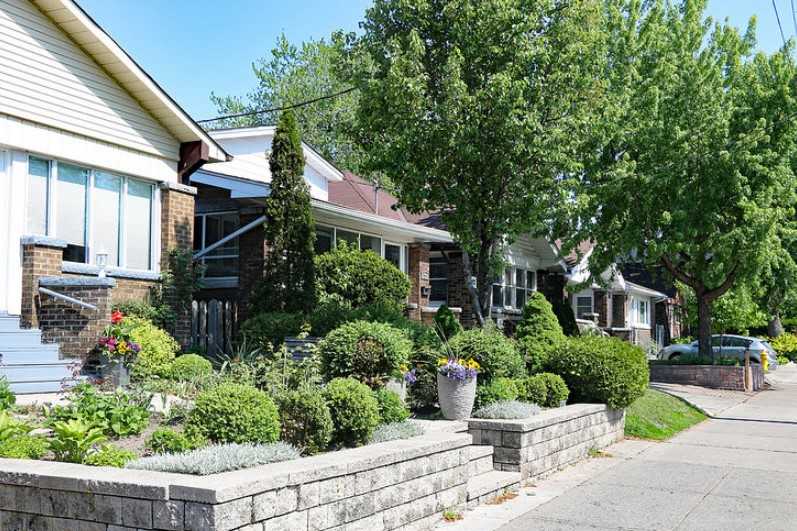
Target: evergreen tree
(289, 277)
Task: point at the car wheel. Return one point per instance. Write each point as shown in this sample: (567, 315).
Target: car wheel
(674, 356)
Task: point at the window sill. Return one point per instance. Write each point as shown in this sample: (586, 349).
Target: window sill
(116, 272)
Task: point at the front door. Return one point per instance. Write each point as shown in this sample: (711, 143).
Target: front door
(12, 201)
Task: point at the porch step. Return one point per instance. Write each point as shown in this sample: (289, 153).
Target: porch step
(481, 460)
(20, 338)
(9, 323)
(483, 487)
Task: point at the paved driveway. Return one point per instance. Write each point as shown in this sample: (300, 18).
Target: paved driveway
(736, 472)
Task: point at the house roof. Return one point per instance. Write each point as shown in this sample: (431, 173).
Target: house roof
(101, 47)
(655, 278)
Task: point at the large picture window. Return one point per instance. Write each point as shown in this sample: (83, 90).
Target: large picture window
(96, 213)
(583, 306)
(512, 290)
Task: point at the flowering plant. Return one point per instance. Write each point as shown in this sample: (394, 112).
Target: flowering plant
(410, 375)
(458, 368)
(115, 341)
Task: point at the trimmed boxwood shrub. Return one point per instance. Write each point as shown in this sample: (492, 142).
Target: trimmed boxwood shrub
(497, 354)
(446, 323)
(158, 349)
(601, 370)
(369, 352)
(354, 410)
(359, 277)
(190, 366)
(271, 328)
(538, 332)
(496, 390)
(556, 389)
(391, 407)
(533, 389)
(235, 413)
(306, 420)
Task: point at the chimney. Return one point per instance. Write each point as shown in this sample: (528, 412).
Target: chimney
(376, 197)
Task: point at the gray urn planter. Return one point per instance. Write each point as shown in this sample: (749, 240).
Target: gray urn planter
(115, 371)
(456, 397)
(398, 386)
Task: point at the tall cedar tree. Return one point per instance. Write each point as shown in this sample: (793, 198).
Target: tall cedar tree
(289, 276)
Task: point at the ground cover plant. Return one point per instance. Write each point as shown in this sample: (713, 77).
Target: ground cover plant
(659, 416)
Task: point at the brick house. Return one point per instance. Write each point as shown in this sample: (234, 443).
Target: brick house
(94, 165)
(229, 235)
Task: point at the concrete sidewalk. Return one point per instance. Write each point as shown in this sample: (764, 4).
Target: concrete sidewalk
(734, 472)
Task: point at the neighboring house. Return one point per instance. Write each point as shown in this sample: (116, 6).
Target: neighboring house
(94, 163)
(629, 301)
(230, 237)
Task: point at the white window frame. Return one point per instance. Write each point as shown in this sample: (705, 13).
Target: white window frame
(52, 206)
(584, 295)
(436, 303)
(636, 319)
(510, 287)
(204, 216)
(403, 259)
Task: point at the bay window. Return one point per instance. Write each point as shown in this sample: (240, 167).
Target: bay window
(513, 289)
(94, 212)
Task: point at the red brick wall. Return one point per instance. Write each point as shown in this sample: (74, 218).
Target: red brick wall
(75, 329)
(458, 296)
(419, 278)
(252, 251)
(713, 376)
(37, 261)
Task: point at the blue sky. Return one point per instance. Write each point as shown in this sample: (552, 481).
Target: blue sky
(193, 47)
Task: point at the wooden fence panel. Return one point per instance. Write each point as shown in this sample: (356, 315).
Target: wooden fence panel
(213, 325)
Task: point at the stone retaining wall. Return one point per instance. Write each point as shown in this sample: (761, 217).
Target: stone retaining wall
(713, 376)
(395, 485)
(546, 442)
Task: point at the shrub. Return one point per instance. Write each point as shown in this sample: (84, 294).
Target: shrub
(235, 413)
(306, 420)
(190, 366)
(556, 389)
(271, 328)
(169, 441)
(360, 277)
(217, 458)
(396, 430)
(785, 345)
(23, 447)
(783, 360)
(507, 409)
(74, 439)
(495, 353)
(110, 455)
(7, 398)
(11, 427)
(330, 313)
(496, 390)
(533, 389)
(158, 349)
(391, 406)
(566, 317)
(446, 322)
(117, 414)
(161, 315)
(601, 369)
(354, 410)
(369, 352)
(538, 332)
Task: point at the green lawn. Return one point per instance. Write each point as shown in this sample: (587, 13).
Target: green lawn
(659, 416)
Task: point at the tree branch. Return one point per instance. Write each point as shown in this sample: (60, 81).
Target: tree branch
(677, 273)
(725, 286)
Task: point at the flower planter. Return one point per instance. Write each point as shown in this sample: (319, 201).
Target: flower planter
(456, 397)
(398, 386)
(114, 370)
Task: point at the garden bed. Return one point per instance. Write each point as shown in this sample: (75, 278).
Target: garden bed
(380, 486)
(713, 376)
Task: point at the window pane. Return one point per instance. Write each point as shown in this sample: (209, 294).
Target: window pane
(438, 267)
(71, 211)
(583, 306)
(323, 239)
(520, 298)
(220, 226)
(198, 220)
(138, 229)
(531, 281)
(221, 267)
(105, 216)
(508, 278)
(498, 295)
(520, 278)
(439, 290)
(346, 236)
(38, 177)
(371, 243)
(393, 254)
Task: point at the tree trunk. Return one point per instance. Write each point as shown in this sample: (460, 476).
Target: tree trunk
(483, 281)
(472, 288)
(704, 326)
(775, 326)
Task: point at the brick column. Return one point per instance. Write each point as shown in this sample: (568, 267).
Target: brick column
(41, 257)
(177, 232)
(419, 278)
(601, 302)
(252, 250)
(618, 310)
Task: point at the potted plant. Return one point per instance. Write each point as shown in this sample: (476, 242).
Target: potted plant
(117, 351)
(456, 387)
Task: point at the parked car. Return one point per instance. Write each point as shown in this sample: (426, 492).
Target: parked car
(726, 346)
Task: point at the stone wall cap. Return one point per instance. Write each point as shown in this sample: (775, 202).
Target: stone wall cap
(43, 241)
(543, 419)
(178, 187)
(91, 282)
(117, 272)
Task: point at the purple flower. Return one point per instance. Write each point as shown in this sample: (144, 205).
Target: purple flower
(410, 377)
(135, 347)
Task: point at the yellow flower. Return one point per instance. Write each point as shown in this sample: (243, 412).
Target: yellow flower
(441, 361)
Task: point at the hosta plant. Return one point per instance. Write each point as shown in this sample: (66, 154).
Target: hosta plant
(74, 439)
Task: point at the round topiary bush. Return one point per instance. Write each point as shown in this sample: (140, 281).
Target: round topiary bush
(271, 328)
(601, 370)
(158, 348)
(190, 366)
(556, 389)
(369, 352)
(235, 413)
(391, 407)
(497, 354)
(306, 420)
(359, 277)
(533, 389)
(496, 390)
(538, 332)
(446, 323)
(354, 410)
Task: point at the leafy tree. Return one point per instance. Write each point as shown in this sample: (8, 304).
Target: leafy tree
(289, 277)
(694, 167)
(476, 109)
(777, 289)
(294, 74)
(736, 311)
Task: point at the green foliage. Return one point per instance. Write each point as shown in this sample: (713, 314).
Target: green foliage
(446, 323)
(190, 367)
(117, 414)
(74, 439)
(538, 332)
(110, 455)
(369, 352)
(783, 360)
(603, 370)
(23, 447)
(158, 349)
(11, 427)
(330, 313)
(785, 345)
(217, 458)
(360, 278)
(306, 420)
(180, 279)
(354, 410)
(279, 373)
(735, 312)
(269, 329)
(555, 387)
(496, 390)
(533, 389)
(235, 413)
(7, 397)
(168, 441)
(395, 431)
(391, 406)
(161, 315)
(497, 354)
(659, 416)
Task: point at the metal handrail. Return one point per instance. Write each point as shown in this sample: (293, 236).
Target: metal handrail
(67, 298)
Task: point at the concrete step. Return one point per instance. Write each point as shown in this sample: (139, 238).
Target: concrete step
(20, 338)
(43, 353)
(9, 323)
(490, 484)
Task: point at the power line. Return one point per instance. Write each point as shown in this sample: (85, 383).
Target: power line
(794, 18)
(777, 16)
(284, 108)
